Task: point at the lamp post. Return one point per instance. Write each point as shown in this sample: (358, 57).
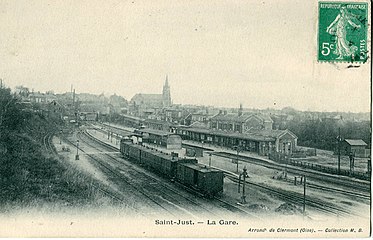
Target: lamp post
(202, 149)
(209, 159)
(77, 150)
(244, 175)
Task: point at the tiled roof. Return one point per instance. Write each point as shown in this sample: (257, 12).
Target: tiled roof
(199, 125)
(255, 135)
(147, 97)
(155, 132)
(356, 142)
(248, 136)
(37, 95)
(157, 121)
(131, 117)
(271, 133)
(234, 117)
(265, 117)
(170, 109)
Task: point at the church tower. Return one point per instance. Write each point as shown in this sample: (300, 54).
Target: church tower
(166, 94)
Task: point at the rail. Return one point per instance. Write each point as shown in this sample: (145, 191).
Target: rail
(321, 168)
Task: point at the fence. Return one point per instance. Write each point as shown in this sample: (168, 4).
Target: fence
(302, 153)
(282, 158)
(321, 168)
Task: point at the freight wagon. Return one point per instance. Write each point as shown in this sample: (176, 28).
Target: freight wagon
(188, 172)
(207, 181)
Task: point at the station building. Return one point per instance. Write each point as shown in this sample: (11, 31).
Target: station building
(249, 131)
(162, 138)
(158, 124)
(241, 122)
(262, 142)
(357, 147)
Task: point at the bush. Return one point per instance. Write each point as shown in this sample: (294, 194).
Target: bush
(28, 175)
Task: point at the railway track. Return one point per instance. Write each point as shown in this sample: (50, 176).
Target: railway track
(295, 198)
(117, 128)
(115, 197)
(110, 194)
(169, 198)
(336, 190)
(123, 132)
(349, 183)
(47, 143)
(113, 171)
(160, 187)
(360, 186)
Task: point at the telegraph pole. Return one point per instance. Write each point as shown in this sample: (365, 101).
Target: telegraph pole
(238, 152)
(237, 162)
(339, 150)
(77, 150)
(304, 195)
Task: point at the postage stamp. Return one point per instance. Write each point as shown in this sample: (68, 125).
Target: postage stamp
(342, 33)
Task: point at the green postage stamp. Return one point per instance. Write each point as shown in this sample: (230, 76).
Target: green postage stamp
(342, 35)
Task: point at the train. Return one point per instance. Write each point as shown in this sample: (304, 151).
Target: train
(187, 171)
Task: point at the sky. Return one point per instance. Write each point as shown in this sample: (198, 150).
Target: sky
(262, 54)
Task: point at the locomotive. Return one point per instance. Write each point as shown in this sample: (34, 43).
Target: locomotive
(200, 178)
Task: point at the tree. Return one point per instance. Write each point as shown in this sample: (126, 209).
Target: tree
(11, 114)
(116, 100)
(22, 91)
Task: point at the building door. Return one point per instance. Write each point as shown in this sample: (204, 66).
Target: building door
(195, 177)
(286, 147)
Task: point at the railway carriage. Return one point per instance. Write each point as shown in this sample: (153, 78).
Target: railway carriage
(188, 172)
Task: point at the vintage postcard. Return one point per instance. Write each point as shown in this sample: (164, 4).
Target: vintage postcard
(175, 118)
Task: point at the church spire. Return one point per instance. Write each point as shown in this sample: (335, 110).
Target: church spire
(166, 94)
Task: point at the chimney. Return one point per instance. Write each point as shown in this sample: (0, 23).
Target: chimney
(74, 97)
(240, 110)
